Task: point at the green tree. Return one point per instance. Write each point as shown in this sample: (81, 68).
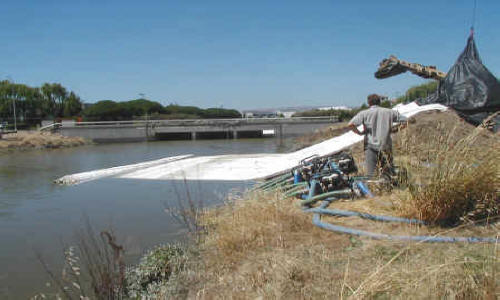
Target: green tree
(104, 110)
(33, 103)
(72, 105)
(141, 107)
(418, 92)
(220, 113)
(55, 96)
(183, 110)
(386, 104)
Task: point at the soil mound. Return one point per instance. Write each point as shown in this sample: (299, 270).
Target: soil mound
(25, 140)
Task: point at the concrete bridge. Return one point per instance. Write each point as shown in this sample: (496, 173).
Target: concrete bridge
(142, 130)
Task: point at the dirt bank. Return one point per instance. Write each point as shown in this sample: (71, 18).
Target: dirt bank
(29, 140)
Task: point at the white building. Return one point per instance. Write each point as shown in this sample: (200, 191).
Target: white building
(335, 108)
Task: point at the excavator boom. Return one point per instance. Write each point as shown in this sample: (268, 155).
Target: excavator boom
(393, 66)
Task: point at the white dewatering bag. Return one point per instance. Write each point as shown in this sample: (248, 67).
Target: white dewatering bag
(231, 167)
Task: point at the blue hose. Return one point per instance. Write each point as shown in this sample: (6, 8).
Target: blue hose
(348, 213)
(364, 189)
(314, 189)
(380, 236)
(297, 177)
(295, 185)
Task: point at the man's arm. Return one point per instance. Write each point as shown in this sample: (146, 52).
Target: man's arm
(354, 128)
(355, 122)
(400, 120)
(397, 117)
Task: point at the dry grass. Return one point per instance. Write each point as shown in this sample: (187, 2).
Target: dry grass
(24, 140)
(456, 173)
(265, 247)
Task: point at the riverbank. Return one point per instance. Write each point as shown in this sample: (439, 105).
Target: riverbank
(31, 140)
(263, 246)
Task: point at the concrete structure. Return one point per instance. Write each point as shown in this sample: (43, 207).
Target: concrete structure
(121, 131)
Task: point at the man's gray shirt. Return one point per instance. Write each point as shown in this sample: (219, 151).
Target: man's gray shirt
(378, 123)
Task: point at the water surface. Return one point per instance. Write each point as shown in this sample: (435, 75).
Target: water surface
(38, 216)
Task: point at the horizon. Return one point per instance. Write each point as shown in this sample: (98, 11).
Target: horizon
(237, 55)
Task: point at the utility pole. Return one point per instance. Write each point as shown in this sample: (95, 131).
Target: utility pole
(14, 106)
(143, 96)
(15, 121)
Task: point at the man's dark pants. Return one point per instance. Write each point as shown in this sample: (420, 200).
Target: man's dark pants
(375, 158)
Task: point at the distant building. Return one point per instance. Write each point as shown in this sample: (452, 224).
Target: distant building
(335, 108)
(286, 114)
(259, 114)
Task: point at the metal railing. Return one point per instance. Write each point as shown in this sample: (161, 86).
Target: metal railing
(52, 126)
(196, 122)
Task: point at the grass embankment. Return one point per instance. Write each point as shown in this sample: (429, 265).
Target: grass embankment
(264, 247)
(27, 140)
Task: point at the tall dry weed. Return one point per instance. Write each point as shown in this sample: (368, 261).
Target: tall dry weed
(452, 178)
(187, 210)
(94, 269)
(103, 262)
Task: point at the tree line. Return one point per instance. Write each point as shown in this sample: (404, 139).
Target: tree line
(32, 104)
(108, 110)
(52, 101)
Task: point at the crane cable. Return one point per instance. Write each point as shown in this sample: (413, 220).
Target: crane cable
(473, 23)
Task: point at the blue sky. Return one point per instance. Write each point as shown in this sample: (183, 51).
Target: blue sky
(236, 54)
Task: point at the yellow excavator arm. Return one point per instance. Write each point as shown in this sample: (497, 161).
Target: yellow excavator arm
(393, 66)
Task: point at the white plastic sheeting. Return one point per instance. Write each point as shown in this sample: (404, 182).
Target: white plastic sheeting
(231, 167)
(115, 171)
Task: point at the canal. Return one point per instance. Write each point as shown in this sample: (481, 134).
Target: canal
(37, 216)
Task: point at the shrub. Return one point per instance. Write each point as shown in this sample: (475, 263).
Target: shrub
(154, 270)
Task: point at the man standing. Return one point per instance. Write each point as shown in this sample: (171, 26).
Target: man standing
(377, 124)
